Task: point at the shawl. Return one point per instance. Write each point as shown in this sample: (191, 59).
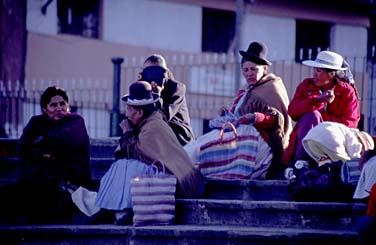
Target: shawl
(269, 96)
(152, 140)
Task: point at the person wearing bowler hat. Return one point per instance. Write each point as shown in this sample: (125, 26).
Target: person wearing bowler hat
(146, 138)
(263, 102)
(329, 95)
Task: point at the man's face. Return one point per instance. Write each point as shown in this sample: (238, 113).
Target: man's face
(134, 115)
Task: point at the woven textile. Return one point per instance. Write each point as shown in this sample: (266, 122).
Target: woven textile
(350, 172)
(153, 199)
(230, 156)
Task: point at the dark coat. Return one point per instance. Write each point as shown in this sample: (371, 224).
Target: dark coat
(66, 140)
(173, 104)
(38, 196)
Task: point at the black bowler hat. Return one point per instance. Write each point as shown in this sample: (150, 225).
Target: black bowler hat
(256, 53)
(140, 93)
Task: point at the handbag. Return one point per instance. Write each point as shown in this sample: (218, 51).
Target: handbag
(350, 172)
(153, 198)
(230, 156)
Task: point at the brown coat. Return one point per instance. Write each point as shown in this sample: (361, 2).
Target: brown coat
(269, 96)
(152, 140)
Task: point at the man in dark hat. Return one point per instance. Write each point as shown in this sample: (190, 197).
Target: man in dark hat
(146, 138)
(263, 103)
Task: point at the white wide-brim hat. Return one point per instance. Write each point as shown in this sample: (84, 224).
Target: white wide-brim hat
(328, 60)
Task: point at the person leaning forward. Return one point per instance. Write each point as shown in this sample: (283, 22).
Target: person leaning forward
(172, 102)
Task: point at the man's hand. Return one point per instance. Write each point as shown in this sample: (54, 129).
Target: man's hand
(156, 89)
(124, 125)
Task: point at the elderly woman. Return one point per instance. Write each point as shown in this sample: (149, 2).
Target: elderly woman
(327, 96)
(263, 102)
(55, 148)
(146, 138)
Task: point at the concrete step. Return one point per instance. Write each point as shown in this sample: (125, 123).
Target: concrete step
(246, 189)
(173, 234)
(277, 214)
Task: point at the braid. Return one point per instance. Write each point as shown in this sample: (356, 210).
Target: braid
(356, 90)
(342, 76)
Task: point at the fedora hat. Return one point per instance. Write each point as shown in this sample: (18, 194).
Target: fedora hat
(256, 53)
(328, 60)
(140, 93)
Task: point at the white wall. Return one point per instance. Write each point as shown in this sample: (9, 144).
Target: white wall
(349, 40)
(277, 33)
(154, 24)
(39, 23)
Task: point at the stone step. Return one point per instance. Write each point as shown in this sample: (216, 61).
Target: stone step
(247, 189)
(277, 214)
(172, 234)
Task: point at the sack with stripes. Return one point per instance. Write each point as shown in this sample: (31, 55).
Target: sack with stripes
(153, 198)
(230, 156)
(350, 172)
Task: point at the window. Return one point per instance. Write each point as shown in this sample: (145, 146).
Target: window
(78, 17)
(311, 38)
(218, 30)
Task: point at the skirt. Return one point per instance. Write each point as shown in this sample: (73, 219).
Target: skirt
(115, 186)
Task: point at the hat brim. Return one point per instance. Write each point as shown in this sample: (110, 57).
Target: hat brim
(128, 101)
(313, 63)
(254, 58)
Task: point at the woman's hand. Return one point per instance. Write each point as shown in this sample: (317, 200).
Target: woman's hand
(247, 118)
(222, 111)
(327, 96)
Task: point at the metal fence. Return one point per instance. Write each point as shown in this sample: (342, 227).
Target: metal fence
(210, 81)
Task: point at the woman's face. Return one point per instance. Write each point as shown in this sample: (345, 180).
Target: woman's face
(134, 115)
(322, 77)
(253, 72)
(57, 109)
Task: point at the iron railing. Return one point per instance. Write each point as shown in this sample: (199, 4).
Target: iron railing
(210, 81)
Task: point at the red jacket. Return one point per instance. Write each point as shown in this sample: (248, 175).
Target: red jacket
(344, 109)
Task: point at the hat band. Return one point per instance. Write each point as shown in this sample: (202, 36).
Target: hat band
(326, 62)
(135, 101)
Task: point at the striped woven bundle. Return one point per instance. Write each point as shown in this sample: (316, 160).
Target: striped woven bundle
(350, 172)
(229, 157)
(153, 199)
